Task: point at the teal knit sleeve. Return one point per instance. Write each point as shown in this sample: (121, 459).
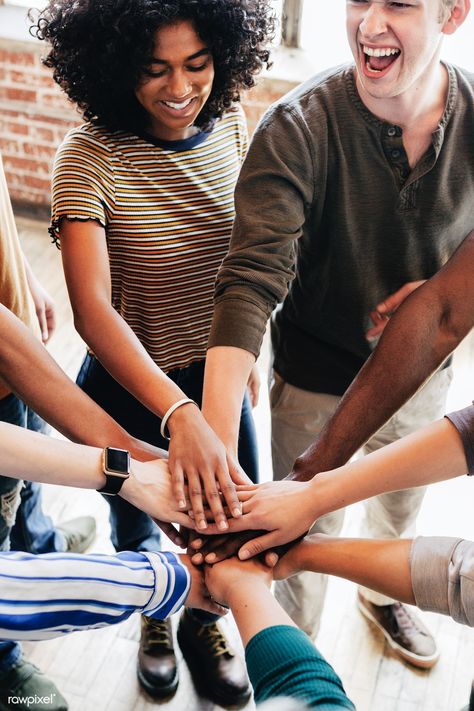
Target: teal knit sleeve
(282, 662)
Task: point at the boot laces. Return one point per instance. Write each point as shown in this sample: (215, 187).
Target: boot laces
(214, 640)
(157, 633)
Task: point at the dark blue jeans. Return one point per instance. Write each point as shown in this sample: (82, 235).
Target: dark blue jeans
(132, 529)
(23, 525)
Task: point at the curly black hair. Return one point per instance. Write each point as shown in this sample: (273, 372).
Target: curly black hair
(100, 50)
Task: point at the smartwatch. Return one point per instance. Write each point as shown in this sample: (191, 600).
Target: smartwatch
(116, 467)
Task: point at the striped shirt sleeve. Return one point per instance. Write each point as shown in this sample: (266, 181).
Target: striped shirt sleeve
(45, 596)
(83, 180)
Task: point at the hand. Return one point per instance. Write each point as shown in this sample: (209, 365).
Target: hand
(224, 578)
(199, 597)
(283, 510)
(253, 386)
(149, 489)
(290, 562)
(44, 305)
(198, 457)
(382, 312)
(213, 549)
(177, 536)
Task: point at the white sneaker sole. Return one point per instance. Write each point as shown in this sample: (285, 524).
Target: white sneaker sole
(415, 659)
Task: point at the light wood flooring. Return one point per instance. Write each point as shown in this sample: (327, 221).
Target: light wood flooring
(96, 670)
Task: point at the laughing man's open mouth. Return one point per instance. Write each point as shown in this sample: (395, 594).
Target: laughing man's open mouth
(380, 58)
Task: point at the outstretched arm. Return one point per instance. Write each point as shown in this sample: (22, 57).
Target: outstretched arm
(383, 565)
(36, 457)
(418, 338)
(281, 659)
(435, 573)
(29, 370)
(287, 509)
(64, 592)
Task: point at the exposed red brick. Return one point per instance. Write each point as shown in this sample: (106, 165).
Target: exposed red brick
(26, 165)
(25, 59)
(39, 133)
(39, 150)
(11, 93)
(31, 181)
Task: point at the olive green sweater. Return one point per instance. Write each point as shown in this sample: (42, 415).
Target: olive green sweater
(330, 219)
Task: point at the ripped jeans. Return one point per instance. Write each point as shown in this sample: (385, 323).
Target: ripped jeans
(15, 412)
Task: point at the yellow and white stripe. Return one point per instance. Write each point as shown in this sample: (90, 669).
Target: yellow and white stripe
(167, 214)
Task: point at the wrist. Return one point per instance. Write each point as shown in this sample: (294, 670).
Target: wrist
(130, 486)
(179, 418)
(244, 590)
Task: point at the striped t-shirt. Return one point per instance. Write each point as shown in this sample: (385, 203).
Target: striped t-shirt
(167, 209)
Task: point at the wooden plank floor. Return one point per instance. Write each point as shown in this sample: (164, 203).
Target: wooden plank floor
(96, 670)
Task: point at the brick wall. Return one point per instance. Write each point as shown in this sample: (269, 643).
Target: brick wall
(35, 115)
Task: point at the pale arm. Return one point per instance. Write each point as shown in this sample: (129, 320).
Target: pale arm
(36, 457)
(288, 509)
(271, 639)
(226, 375)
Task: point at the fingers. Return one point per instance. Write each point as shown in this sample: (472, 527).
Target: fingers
(177, 482)
(50, 320)
(271, 559)
(195, 495)
(214, 499)
(172, 532)
(43, 324)
(237, 474)
(215, 552)
(229, 493)
(257, 546)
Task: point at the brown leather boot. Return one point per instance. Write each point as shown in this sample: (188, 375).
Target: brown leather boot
(218, 673)
(157, 671)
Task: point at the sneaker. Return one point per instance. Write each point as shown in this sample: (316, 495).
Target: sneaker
(218, 674)
(403, 630)
(157, 670)
(78, 533)
(26, 688)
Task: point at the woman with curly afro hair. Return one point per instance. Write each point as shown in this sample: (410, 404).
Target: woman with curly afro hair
(143, 207)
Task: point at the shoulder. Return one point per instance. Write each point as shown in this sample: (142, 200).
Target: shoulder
(233, 121)
(96, 140)
(312, 104)
(465, 77)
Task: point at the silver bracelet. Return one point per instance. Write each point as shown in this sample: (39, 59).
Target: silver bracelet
(169, 412)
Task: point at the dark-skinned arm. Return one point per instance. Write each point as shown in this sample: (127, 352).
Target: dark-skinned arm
(419, 337)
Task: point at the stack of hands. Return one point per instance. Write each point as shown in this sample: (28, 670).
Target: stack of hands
(256, 519)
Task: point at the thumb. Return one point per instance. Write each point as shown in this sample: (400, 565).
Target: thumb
(236, 472)
(258, 545)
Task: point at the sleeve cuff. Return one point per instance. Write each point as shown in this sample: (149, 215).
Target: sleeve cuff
(172, 585)
(429, 564)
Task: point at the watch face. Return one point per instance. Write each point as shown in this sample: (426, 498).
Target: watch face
(117, 460)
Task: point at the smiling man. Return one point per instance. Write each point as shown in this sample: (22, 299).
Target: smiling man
(359, 184)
